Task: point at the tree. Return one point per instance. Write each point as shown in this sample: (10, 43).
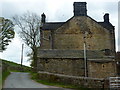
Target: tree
(29, 24)
(6, 33)
(30, 55)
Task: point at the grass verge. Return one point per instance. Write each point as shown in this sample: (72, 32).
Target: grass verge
(0, 80)
(5, 75)
(34, 76)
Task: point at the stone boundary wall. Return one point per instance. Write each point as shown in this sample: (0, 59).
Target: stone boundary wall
(74, 80)
(4, 66)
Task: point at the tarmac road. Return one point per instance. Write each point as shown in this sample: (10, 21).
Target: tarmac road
(22, 80)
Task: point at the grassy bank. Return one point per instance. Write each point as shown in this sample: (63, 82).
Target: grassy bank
(5, 75)
(0, 78)
(35, 77)
(12, 66)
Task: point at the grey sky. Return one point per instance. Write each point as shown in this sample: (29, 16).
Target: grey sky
(119, 26)
(55, 10)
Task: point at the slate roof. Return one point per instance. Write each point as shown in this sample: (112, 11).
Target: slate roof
(56, 25)
(52, 25)
(108, 26)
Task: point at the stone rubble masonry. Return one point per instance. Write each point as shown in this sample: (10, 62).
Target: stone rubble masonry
(101, 69)
(62, 66)
(68, 40)
(70, 35)
(61, 50)
(69, 64)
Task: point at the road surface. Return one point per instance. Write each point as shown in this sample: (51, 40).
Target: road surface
(22, 80)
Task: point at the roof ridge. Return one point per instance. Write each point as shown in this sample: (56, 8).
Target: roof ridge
(55, 22)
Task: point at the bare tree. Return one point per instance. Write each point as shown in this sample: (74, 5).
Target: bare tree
(29, 23)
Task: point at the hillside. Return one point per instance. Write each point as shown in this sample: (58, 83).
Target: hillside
(12, 66)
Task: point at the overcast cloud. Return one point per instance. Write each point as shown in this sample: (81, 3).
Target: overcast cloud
(55, 10)
(119, 26)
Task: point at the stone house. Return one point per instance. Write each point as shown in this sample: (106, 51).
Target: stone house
(81, 46)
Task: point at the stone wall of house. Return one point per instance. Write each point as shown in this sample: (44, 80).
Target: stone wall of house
(101, 69)
(73, 67)
(45, 40)
(70, 35)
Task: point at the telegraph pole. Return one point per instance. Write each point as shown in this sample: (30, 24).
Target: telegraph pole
(85, 54)
(85, 59)
(22, 54)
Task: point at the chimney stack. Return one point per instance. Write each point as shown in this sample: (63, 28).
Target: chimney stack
(80, 9)
(106, 18)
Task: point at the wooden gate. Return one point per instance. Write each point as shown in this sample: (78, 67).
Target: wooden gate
(114, 83)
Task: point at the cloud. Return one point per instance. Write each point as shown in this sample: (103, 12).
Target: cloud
(119, 26)
(20, 7)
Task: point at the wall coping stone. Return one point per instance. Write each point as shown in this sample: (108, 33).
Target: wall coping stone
(91, 54)
(77, 77)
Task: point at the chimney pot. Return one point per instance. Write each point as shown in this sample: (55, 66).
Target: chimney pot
(106, 18)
